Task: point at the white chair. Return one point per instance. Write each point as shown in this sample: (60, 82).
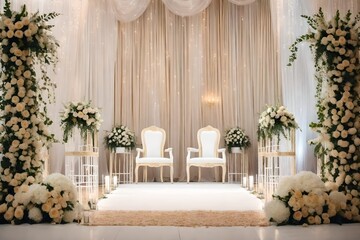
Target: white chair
(208, 141)
(152, 153)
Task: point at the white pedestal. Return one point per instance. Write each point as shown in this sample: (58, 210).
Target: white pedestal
(122, 166)
(276, 158)
(82, 167)
(238, 168)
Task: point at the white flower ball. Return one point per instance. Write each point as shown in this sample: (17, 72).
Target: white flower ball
(277, 211)
(35, 214)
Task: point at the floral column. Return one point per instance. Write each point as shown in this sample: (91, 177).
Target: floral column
(335, 46)
(26, 43)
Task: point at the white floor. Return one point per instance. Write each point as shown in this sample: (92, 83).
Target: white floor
(180, 196)
(192, 196)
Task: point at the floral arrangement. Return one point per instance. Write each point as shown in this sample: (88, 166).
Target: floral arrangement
(81, 115)
(120, 136)
(275, 121)
(236, 137)
(335, 47)
(26, 45)
(53, 201)
(305, 199)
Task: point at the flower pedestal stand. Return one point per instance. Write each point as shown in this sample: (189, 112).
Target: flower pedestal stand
(121, 166)
(276, 158)
(82, 166)
(238, 167)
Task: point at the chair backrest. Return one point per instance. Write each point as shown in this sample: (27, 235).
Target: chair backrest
(208, 140)
(153, 141)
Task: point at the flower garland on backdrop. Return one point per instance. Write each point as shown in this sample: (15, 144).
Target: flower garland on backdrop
(120, 136)
(236, 137)
(335, 47)
(26, 45)
(305, 199)
(275, 121)
(80, 115)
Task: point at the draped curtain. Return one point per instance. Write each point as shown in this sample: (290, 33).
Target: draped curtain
(215, 68)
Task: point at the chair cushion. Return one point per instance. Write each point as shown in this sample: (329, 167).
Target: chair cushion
(206, 160)
(153, 160)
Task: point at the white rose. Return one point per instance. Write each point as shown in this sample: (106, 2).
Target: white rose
(352, 131)
(10, 34)
(336, 134)
(349, 105)
(343, 144)
(4, 58)
(334, 153)
(344, 134)
(342, 40)
(27, 74)
(357, 141)
(342, 51)
(342, 154)
(19, 34)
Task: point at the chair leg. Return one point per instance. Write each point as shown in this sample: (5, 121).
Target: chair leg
(171, 173)
(161, 174)
(223, 173)
(136, 173)
(199, 174)
(145, 174)
(188, 173)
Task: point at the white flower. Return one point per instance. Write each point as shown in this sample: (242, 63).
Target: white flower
(35, 214)
(277, 211)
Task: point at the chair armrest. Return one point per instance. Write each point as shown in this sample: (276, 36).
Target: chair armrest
(190, 150)
(139, 150)
(222, 151)
(169, 150)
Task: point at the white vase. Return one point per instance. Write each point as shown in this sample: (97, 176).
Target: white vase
(235, 150)
(120, 150)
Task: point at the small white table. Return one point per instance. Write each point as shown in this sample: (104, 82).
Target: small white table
(122, 166)
(238, 167)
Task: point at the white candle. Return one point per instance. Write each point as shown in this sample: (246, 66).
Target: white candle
(107, 184)
(244, 181)
(115, 181)
(251, 182)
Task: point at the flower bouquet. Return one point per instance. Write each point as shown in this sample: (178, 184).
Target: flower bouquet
(236, 137)
(81, 115)
(274, 121)
(305, 199)
(120, 136)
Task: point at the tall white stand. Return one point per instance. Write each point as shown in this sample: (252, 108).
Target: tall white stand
(82, 167)
(276, 158)
(122, 166)
(238, 167)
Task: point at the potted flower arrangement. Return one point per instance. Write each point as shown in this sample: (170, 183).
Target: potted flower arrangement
(120, 136)
(274, 121)
(81, 115)
(236, 139)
